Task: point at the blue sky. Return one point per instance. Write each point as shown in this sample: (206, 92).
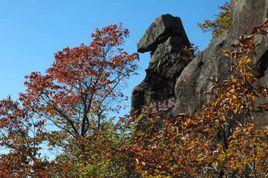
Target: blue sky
(31, 31)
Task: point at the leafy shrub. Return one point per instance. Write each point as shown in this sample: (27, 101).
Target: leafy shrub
(222, 22)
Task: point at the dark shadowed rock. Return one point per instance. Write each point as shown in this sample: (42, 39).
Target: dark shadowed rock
(166, 39)
(161, 29)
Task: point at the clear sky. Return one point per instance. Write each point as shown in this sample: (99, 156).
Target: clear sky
(31, 31)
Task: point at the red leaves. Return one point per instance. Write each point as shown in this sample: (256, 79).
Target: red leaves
(21, 133)
(112, 36)
(74, 96)
(81, 79)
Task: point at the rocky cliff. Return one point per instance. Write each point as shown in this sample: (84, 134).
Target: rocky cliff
(171, 73)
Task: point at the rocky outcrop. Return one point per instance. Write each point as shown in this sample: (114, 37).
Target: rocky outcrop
(161, 29)
(170, 74)
(166, 40)
(193, 85)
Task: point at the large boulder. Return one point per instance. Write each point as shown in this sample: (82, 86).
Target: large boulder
(166, 40)
(161, 29)
(193, 86)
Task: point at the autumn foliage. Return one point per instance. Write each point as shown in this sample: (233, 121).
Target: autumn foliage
(22, 135)
(70, 107)
(219, 140)
(222, 22)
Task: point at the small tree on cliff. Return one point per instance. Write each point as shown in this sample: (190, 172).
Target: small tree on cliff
(222, 22)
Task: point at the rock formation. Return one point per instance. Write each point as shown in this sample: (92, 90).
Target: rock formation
(193, 86)
(166, 40)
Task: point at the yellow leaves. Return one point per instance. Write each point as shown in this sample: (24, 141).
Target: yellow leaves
(246, 146)
(141, 133)
(246, 69)
(245, 61)
(234, 97)
(249, 75)
(189, 123)
(222, 22)
(232, 91)
(204, 140)
(215, 165)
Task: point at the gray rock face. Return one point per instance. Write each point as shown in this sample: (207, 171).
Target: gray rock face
(166, 40)
(161, 29)
(193, 85)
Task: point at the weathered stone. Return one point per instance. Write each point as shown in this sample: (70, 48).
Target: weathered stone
(173, 45)
(161, 29)
(193, 81)
(193, 86)
(167, 61)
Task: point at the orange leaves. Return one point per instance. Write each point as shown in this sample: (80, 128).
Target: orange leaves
(128, 57)
(112, 36)
(248, 147)
(74, 95)
(189, 123)
(81, 79)
(219, 139)
(21, 133)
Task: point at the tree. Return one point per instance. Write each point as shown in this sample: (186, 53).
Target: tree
(76, 95)
(80, 88)
(101, 156)
(21, 134)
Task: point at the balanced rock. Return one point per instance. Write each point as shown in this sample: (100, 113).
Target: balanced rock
(166, 40)
(161, 29)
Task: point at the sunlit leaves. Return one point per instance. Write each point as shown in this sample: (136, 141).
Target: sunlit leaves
(220, 139)
(68, 107)
(222, 23)
(21, 134)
